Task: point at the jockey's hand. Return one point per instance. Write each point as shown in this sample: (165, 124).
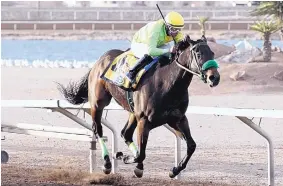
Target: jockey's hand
(173, 49)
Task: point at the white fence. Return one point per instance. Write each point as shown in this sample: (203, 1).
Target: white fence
(120, 14)
(62, 106)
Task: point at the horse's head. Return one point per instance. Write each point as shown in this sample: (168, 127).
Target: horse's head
(197, 58)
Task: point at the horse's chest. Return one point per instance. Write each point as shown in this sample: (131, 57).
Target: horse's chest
(164, 109)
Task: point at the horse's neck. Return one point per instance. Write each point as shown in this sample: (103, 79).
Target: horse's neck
(176, 77)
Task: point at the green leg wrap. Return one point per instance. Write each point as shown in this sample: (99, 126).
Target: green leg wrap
(134, 149)
(104, 150)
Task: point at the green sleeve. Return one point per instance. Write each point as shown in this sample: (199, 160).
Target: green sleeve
(152, 45)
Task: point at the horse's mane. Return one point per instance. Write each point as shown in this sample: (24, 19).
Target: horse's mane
(186, 42)
(183, 44)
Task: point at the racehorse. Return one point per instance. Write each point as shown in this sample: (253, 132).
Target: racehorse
(161, 97)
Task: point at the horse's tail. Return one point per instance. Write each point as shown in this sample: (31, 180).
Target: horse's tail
(76, 92)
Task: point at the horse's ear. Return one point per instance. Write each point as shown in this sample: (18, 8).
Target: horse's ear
(203, 38)
(182, 45)
(187, 39)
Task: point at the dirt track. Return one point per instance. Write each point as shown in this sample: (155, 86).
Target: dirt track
(17, 175)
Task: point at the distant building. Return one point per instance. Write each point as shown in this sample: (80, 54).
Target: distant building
(95, 3)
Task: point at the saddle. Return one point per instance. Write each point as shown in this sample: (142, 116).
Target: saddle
(120, 66)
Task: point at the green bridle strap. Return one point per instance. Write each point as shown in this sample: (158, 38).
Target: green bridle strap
(209, 64)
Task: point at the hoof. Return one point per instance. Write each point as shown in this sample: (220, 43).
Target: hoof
(119, 155)
(138, 172)
(106, 171)
(4, 157)
(129, 159)
(107, 165)
(173, 172)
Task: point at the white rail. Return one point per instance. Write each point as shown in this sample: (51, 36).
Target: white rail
(52, 104)
(119, 14)
(48, 131)
(240, 113)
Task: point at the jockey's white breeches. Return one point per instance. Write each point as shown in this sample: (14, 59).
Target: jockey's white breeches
(140, 49)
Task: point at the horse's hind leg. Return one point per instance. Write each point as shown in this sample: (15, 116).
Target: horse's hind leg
(183, 127)
(98, 101)
(97, 128)
(127, 134)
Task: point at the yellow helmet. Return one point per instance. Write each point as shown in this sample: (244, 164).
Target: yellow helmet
(175, 20)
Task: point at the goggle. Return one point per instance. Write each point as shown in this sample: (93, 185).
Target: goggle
(174, 30)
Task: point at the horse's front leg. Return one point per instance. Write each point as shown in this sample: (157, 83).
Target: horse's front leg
(142, 137)
(183, 127)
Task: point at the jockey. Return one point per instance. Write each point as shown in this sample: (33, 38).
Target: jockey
(155, 39)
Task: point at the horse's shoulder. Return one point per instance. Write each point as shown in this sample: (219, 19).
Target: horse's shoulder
(162, 65)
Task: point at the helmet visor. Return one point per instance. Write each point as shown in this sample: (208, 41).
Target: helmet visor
(174, 30)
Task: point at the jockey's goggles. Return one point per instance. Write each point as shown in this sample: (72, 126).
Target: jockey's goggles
(174, 30)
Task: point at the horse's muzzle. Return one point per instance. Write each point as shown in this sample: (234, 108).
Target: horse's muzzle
(213, 80)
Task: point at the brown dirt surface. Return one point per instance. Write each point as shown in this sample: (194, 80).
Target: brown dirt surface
(13, 175)
(259, 78)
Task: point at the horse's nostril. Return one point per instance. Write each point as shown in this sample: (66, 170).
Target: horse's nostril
(211, 78)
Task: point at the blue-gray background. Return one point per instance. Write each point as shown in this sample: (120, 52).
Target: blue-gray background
(78, 50)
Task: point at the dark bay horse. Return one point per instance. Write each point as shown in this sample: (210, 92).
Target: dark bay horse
(161, 97)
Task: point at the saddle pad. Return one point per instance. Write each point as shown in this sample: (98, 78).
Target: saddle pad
(117, 69)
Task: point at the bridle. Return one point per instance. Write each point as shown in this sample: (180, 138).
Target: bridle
(194, 57)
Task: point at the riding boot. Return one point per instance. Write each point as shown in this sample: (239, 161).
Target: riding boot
(146, 59)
